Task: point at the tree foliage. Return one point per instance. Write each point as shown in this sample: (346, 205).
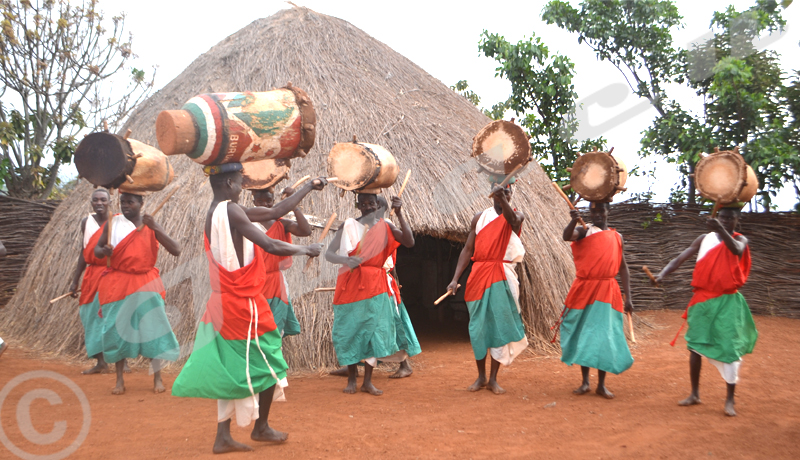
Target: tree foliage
(747, 101)
(57, 64)
(543, 95)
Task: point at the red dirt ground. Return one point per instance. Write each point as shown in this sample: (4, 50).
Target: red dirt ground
(430, 415)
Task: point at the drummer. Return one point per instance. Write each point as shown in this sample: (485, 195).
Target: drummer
(721, 327)
(492, 292)
(592, 323)
(275, 287)
(364, 323)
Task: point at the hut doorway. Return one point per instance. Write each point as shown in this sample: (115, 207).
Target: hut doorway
(424, 272)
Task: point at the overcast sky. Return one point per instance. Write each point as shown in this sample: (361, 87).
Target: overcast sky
(442, 38)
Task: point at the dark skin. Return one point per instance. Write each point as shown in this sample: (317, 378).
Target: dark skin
(599, 216)
(723, 226)
(502, 205)
(242, 227)
(99, 201)
(131, 206)
(371, 214)
(266, 199)
(2, 254)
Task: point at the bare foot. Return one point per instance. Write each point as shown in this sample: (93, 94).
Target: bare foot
(267, 434)
(158, 385)
(127, 369)
(404, 371)
(341, 372)
(480, 383)
(603, 391)
(690, 401)
(350, 388)
(370, 388)
(119, 389)
(97, 369)
(222, 446)
(581, 390)
(729, 409)
(496, 389)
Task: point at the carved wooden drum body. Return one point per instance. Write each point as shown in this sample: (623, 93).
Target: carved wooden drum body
(500, 147)
(598, 176)
(257, 175)
(361, 167)
(724, 177)
(222, 128)
(111, 161)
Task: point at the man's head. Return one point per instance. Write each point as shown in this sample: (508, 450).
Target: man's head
(729, 218)
(598, 212)
(227, 185)
(131, 205)
(506, 191)
(99, 200)
(366, 203)
(264, 198)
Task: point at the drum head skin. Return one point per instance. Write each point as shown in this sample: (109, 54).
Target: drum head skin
(362, 166)
(595, 177)
(500, 147)
(257, 175)
(721, 176)
(750, 187)
(104, 159)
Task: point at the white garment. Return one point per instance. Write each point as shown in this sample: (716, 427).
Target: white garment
(515, 252)
(89, 229)
(224, 252)
(120, 228)
(710, 241)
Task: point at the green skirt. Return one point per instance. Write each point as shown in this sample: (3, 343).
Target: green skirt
(92, 326)
(138, 325)
(364, 329)
(721, 328)
(406, 337)
(284, 316)
(595, 337)
(494, 320)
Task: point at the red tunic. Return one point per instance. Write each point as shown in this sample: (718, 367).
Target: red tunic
(133, 268)
(597, 260)
(274, 285)
(368, 279)
(719, 272)
(94, 268)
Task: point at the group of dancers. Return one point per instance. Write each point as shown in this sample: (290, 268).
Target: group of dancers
(237, 357)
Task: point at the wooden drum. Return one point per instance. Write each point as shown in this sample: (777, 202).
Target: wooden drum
(598, 176)
(222, 128)
(724, 177)
(257, 175)
(366, 168)
(500, 147)
(111, 161)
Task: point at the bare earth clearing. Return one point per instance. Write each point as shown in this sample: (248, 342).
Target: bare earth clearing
(431, 415)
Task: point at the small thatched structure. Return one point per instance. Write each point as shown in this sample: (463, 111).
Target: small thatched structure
(359, 86)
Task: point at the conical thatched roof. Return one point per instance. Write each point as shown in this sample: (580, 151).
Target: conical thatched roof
(359, 86)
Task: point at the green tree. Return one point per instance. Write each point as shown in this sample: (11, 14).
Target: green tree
(55, 56)
(745, 100)
(543, 95)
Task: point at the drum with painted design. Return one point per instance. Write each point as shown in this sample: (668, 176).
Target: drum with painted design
(500, 147)
(361, 167)
(257, 175)
(724, 177)
(222, 128)
(598, 176)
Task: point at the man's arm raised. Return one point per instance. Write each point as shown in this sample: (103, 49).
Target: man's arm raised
(239, 222)
(172, 246)
(514, 218)
(259, 214)
(403, 235)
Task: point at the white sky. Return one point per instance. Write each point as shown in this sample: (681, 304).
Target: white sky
(442, 38)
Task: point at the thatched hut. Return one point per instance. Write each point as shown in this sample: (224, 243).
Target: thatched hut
(361, 87)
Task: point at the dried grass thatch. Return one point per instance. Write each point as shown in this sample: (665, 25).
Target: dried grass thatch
(359, 86)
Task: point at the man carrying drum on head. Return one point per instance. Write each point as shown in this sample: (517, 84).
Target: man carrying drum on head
(492, 292)
(721, 327)
(364, 311)
(237, 356)
(592, 323)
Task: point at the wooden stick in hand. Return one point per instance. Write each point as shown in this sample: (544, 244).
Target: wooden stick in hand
(402, 187)
(630, 323)
(297, 184)
(444, 296)
(569, 202)
(510, 175)
(715, 210)
(52, 301)
(322, 237)
(650, 275)
(161, 205)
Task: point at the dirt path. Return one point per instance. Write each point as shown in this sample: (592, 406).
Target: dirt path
(430, 415)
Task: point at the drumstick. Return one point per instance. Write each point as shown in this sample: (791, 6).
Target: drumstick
(325, 289)
(161, 205)
(630, 319)
(296, 184)
(402, 187)
(321, 237)
(52, 301)
(715, 210)
(108, 235)
(509, 176)
(650, 275)
(569, 202)
(444, 296)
